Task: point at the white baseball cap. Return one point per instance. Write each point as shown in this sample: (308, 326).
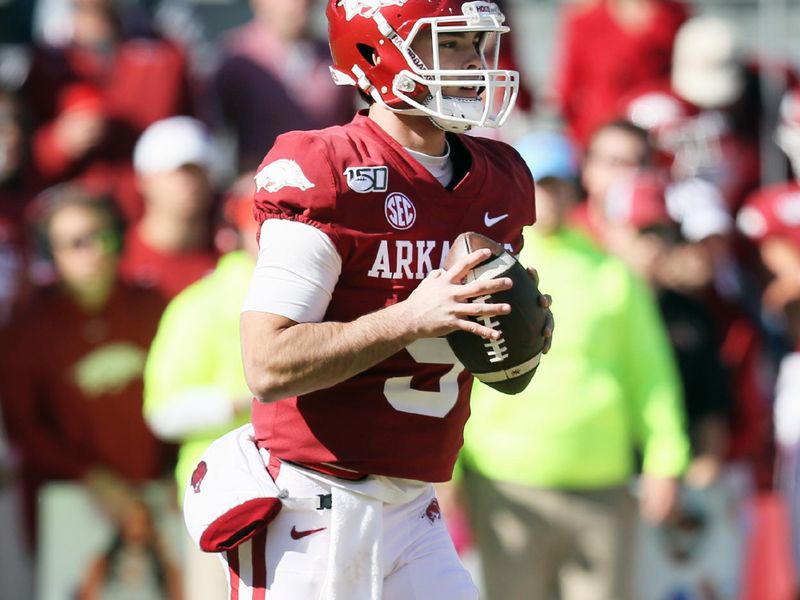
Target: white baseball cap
(707, 67)
(699, 207)
(172, 143)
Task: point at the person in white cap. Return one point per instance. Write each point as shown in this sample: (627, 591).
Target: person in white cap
(722, 142)
(172, 246)
(708, 63)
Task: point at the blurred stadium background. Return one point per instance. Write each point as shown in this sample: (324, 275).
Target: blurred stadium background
(72, 530)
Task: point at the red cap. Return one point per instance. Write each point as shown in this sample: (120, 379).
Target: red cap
(80, 97)
(771, 213)
(638, 201)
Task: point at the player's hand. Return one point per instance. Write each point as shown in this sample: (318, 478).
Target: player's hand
(545, 301)
(441, 303)
(658, 498)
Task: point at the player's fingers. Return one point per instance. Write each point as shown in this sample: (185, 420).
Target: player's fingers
(485, 309)
(478, 329)
(459, 269)
(547, 332)
(534, 274)
(545, 300)
(436, 273)
(484, 287)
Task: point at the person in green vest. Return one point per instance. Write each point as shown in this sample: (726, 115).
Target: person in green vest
(547, 472)
(195, 388)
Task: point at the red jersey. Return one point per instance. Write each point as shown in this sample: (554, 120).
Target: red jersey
(71, 385)
(391, 222)
(138, 83)
(167, 272)
(601, 60)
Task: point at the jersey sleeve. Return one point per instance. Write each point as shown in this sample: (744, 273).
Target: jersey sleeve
(296, 182)
(296, 272)
(181, 396)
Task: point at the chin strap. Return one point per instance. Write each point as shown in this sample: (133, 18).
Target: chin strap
(450, 126)
(454, 106)
(451, 106)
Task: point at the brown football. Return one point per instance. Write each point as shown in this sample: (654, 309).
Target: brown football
(507, 364)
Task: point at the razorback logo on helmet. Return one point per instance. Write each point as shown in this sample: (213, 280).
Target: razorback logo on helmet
(280, 174)
(366, 8)
(432, 512)
(198, 475)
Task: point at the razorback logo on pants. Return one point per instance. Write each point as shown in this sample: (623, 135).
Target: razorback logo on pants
(198, 474)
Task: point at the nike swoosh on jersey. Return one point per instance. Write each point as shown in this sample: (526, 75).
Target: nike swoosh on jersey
(296, 535)
(491, 221)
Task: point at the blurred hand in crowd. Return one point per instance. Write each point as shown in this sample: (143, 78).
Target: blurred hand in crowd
(658, 498)
(78, 132)
(112, 493)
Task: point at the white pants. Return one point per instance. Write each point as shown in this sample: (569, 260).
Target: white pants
(291, 557)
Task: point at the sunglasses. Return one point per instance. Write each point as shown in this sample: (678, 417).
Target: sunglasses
(106, 240)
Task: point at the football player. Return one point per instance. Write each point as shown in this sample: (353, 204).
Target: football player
(358, 399)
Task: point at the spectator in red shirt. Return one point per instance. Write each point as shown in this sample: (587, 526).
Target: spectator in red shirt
(610, 48)
(172, 245)
(91, 98)
(71, 365)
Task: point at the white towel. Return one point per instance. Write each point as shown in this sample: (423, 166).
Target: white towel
(787, 401)
(355, 558)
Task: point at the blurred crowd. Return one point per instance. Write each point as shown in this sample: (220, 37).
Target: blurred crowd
(655, 455)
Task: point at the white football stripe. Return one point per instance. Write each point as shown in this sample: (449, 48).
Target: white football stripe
(495, 267)
(510, 373)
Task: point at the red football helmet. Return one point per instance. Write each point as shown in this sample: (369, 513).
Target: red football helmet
(371, 43)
